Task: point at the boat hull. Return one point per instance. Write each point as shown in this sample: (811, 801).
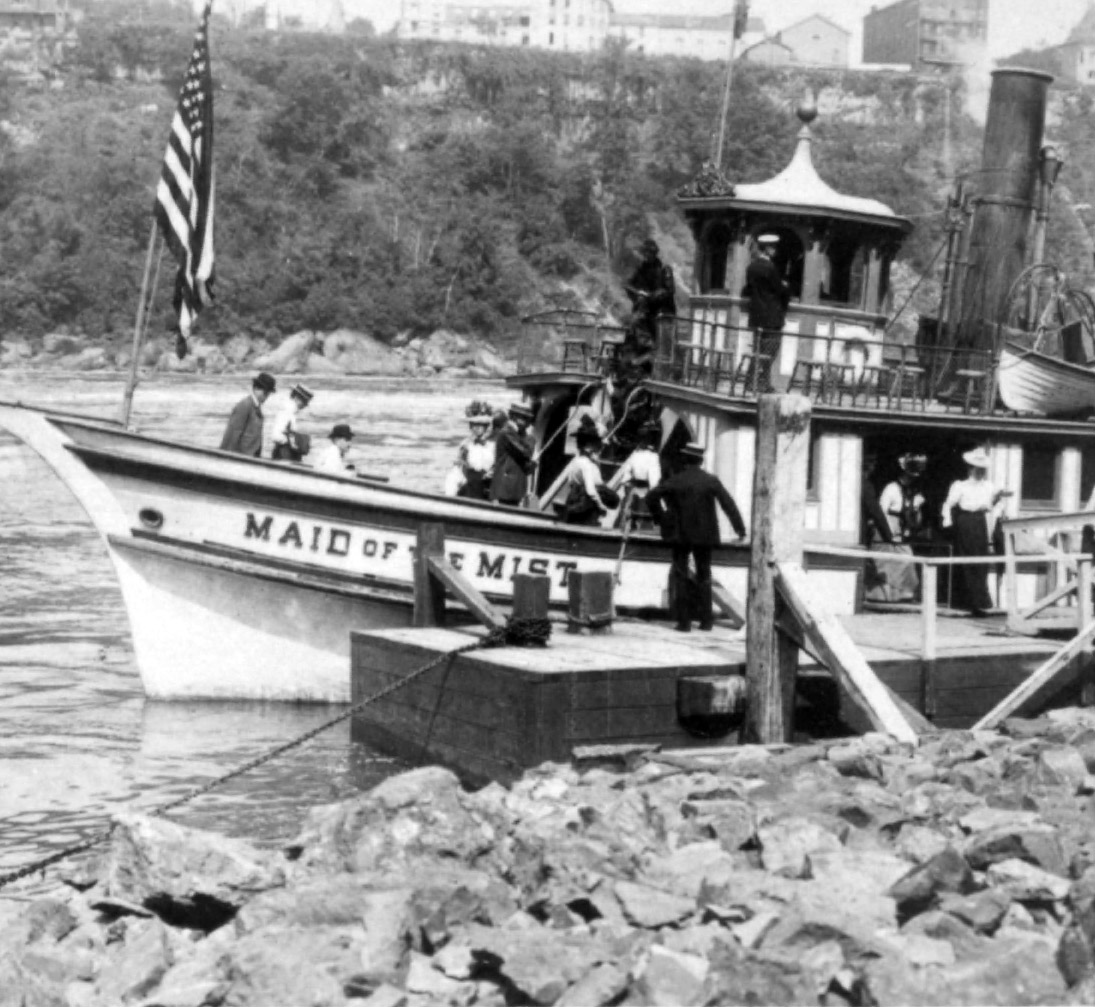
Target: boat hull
(1033, 382)
(243, 578)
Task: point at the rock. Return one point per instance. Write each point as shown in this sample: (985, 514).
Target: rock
(357, 353)
(856, 759)
(1026, 883)
(134, 969)
(208, 359)
(291, 355)
(981, 910)
(919, 843)
(669, 978)
(786, 844)
(920, 950)
(60, 344)
(425, 980)
(1037, 843)
(489, 363)
(921, 887)
(1062, 766)
(186, 876)
(650, 907)
(601, 985)
(15, 353)
(685, 870)
(741, 977)
(410, 817)
(239, 347)
(93, 358)
(730, 820)
(318, 364)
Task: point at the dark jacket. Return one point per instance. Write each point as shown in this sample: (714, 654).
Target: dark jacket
(684, 505)
(243, 435)
(655, 280)
(768, 295)
(512, 463)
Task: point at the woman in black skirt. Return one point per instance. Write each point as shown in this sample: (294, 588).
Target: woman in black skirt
(970, 509)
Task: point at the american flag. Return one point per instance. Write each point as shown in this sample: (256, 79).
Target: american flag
(184, 196)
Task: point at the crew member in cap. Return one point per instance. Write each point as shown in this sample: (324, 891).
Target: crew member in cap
(471, 475)
(333, 457)
(513, 450)
(243, 435)
(638, 475)
(289, 444)
(971, 510)
(652, 291)
(684, 505)
(768, 295)
(582, 485)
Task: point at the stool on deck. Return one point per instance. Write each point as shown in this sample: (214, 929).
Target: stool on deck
(575, 355)
(871, 383)
(808, 375)
(754, 372)
(907, 383)
(688, 366)
(720, 368)
(972, 388)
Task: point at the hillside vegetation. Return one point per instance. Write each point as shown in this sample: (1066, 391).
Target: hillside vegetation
(393, 187)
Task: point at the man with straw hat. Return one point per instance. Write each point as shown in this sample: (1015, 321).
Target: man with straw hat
(971, 510)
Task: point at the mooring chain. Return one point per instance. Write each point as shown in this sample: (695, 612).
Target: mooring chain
(516, 632)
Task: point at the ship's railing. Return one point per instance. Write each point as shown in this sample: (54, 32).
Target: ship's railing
(847, 365)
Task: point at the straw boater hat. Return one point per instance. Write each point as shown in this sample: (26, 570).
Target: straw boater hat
(912, 463)
(300, 392)
(978, 458)
(767, 239)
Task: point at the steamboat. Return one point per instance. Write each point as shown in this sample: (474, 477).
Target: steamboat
(243, 578)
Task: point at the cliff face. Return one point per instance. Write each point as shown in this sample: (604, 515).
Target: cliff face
(388, 188)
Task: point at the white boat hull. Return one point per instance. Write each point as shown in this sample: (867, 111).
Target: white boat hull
(1032, 382)
(243, 579)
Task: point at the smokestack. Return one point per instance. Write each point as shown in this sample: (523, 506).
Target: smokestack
(1008, 186)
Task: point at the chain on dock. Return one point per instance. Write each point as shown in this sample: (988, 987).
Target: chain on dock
(516, 632)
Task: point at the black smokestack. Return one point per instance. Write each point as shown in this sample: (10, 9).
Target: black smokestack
(1008, 185)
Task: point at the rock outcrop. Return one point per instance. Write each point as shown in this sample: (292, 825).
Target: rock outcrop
(853, 872)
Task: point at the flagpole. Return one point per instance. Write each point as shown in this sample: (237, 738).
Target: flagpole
(726, 98)
(140, 326)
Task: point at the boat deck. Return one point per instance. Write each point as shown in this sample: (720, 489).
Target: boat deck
(492, 713)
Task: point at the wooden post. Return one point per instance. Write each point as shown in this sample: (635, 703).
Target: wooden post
(779, 511)
(1084, 607)
(140, 327)
(531, 596)
(1011, 581)
(429, 593)
(590, 602)
(929, 604)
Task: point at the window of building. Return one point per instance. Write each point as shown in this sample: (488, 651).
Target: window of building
(1040, 469)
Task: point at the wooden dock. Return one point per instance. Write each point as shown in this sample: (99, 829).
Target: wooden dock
(490, 714)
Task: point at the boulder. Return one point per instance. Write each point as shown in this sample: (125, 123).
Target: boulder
(1026, 883)
(186, 876)
(921, 888)
(651, 907)
(60, 344)
(290, 356)
(1037, 843)
(239, 347)
(357, 353)
(667, 978)
(786, 845)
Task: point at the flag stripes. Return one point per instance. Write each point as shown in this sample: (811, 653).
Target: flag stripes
(184, 206)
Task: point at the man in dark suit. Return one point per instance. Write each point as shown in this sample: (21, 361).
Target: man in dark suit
(684, 506)
(513, 451)
(243, 435)
(768, 296)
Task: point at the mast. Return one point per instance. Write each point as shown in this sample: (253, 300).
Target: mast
(741, 20)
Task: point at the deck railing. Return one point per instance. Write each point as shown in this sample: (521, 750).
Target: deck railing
(845, 366)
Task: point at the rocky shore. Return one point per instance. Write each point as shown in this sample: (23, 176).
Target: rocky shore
(859, 871)
(442, 354)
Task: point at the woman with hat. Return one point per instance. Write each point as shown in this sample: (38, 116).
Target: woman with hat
(470, 476)
(513, 450)
(332, 458)
(971, 510)
(289, 445)
(902, 505)
(583, 486)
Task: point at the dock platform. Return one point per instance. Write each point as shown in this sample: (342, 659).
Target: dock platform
(492, 713)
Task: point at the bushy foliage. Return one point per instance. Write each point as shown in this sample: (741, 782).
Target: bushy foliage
(387, 186)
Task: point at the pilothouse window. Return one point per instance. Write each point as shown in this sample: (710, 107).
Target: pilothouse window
(716, 255)
(844, 273)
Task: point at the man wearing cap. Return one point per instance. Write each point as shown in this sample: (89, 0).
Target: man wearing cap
(768, 296)
(243, 435)
(652, 291)
(513, 450)
(289, 445)
(684, 506)
(332, 458)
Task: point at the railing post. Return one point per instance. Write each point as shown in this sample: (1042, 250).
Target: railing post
(929, 606)
(1084, 608)
(1011, 582)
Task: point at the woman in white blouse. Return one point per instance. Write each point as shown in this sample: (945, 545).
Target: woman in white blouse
(970, 509)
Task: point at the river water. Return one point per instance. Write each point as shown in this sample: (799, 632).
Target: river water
(78, 740)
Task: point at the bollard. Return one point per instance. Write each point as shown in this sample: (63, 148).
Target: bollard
(591, 606)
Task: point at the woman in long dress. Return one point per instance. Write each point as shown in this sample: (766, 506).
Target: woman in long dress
(971, 510)
(902, 504)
